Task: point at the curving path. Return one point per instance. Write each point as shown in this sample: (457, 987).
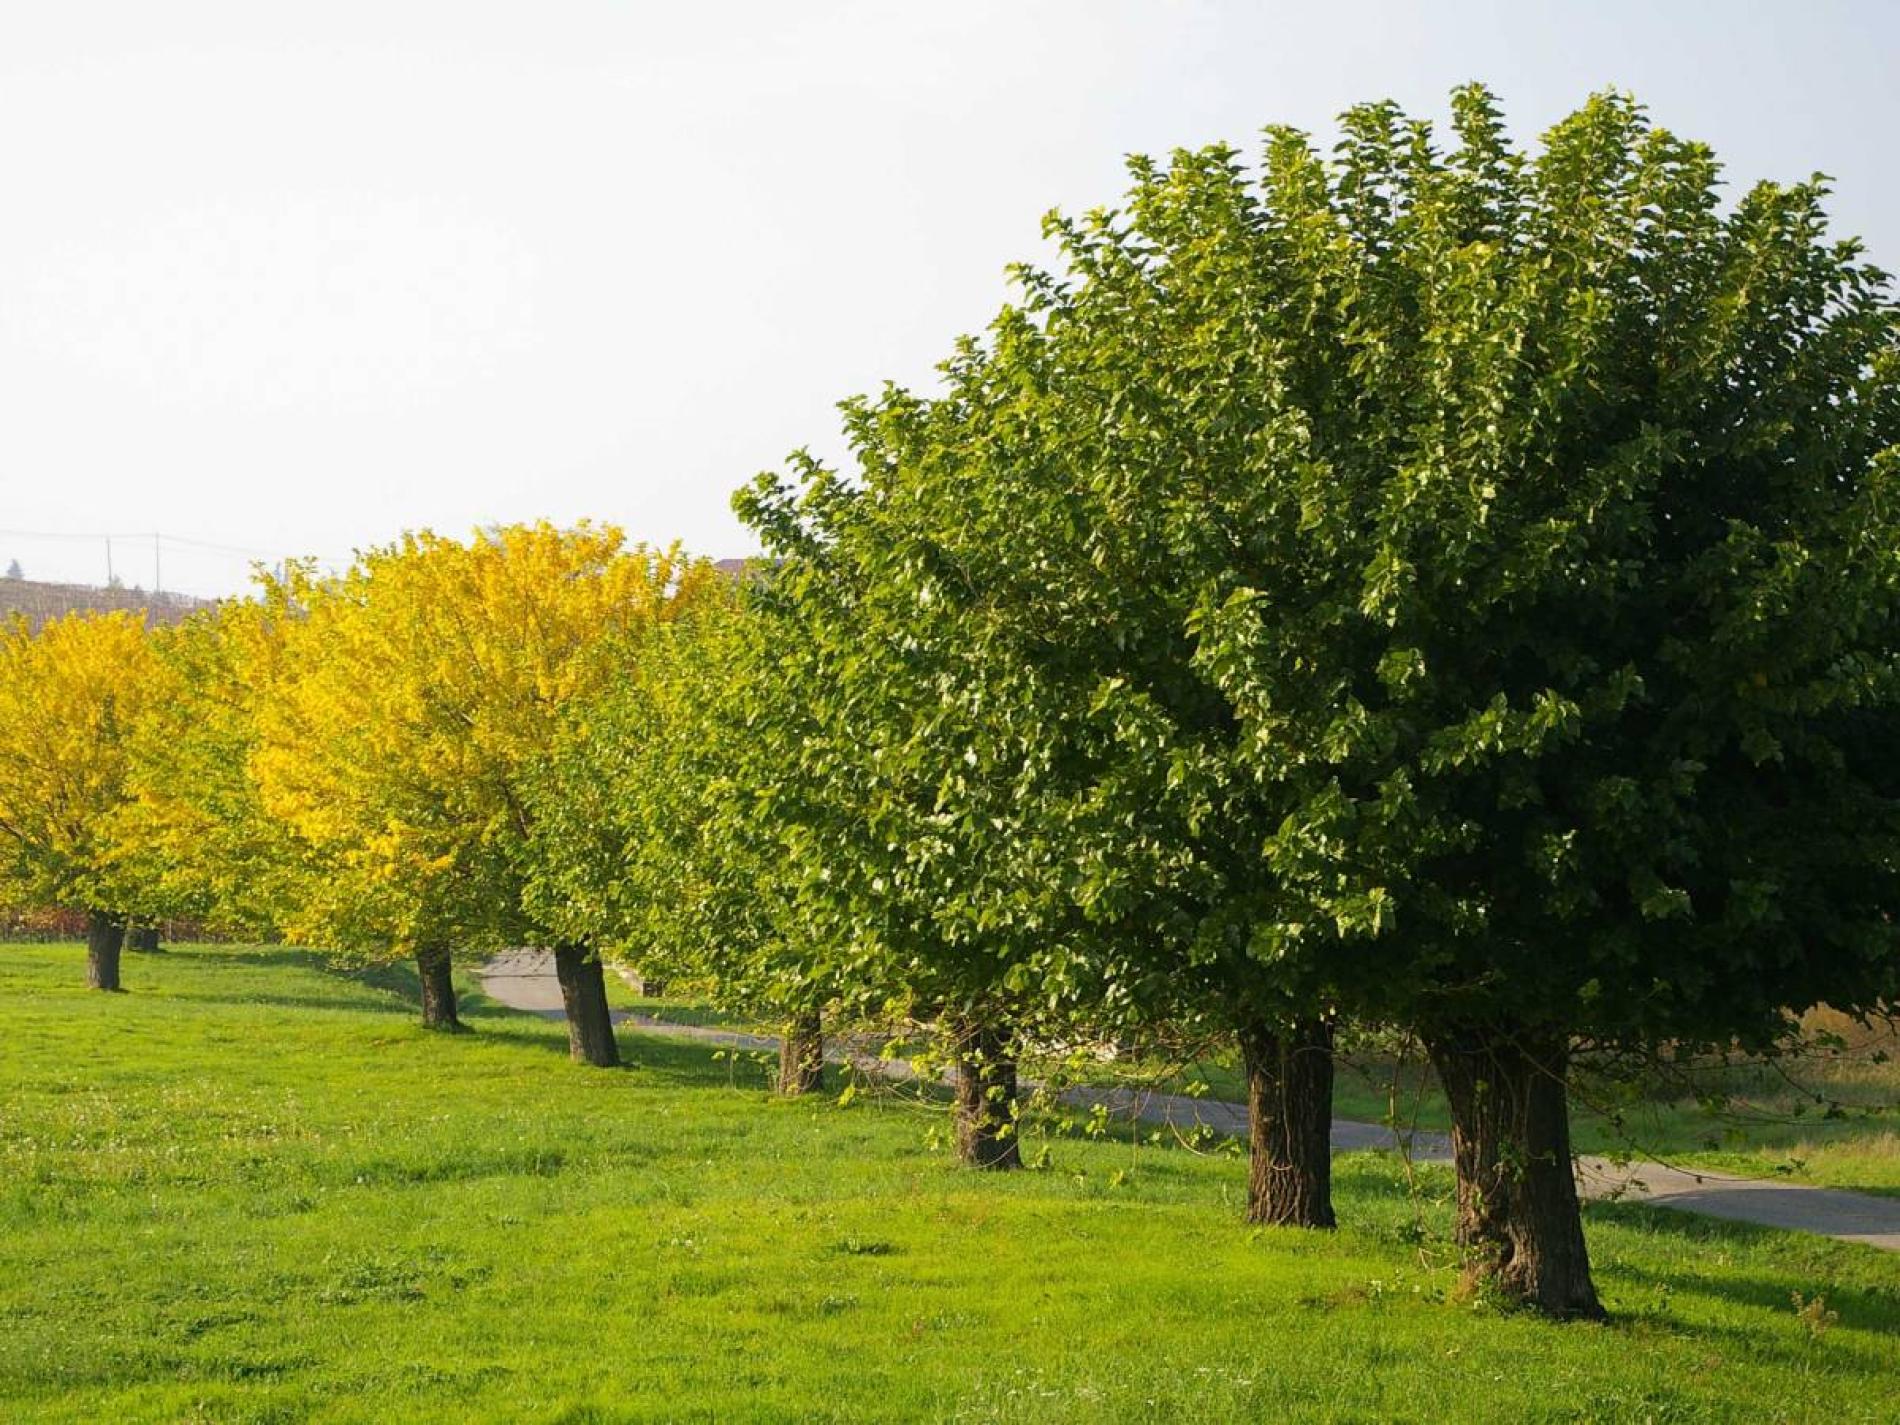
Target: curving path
(524, 980)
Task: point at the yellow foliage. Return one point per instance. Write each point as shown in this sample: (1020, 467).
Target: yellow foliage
(414, 694)
(196, 827)
(69, 696)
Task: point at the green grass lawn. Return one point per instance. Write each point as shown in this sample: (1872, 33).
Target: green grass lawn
(251, 1189)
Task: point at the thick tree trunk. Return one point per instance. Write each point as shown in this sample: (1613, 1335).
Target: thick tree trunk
(1289, 1123)
(435, 969)
(142, 938)
(801, 1055)
(986, 1099)
(590, 1028)
(1518, 1216)
(105, 937)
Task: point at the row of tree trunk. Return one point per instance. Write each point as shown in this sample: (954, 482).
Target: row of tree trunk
(1519, 1221)
(578, 969)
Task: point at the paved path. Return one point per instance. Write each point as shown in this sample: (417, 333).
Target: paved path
(525, 980)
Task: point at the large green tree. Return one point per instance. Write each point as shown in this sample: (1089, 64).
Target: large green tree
(1442, 584)
(909, 794)
(1578, 715)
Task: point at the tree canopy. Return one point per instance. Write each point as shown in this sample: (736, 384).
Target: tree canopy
(196, 825)
(418, 689)
(69, 698)
(1435, 583)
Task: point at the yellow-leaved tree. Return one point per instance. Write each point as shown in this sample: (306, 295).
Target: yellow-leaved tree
(414, 698)
(195, 826)
(70, 695)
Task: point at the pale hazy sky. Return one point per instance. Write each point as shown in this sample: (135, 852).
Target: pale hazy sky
(291, 278)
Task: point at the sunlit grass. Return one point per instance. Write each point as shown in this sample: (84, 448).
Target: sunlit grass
(251, 1189)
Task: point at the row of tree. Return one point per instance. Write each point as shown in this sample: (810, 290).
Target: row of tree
(344, 762)
(1431, 586)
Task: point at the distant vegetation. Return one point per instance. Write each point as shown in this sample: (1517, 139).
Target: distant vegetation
(38, 601)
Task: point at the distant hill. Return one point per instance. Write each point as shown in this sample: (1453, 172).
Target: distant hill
(40, 602)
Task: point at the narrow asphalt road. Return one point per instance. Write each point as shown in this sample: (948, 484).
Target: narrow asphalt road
(525, 980)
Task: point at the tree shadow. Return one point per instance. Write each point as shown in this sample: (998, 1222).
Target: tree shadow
(1781, 1334)
(686, 1063)
(1870, 1307)
(691, 1063)
(398, 987)
(1864, 1308)
(263, 961)
(309, 1001)
(1685, 1223)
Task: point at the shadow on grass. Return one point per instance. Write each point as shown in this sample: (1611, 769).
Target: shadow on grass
(660, 1058)
(1870, 1308)
(1687, 1225)
(397, 986)
(1865, 1308)
(283, 957)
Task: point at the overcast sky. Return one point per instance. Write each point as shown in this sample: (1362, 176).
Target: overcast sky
(291, 278)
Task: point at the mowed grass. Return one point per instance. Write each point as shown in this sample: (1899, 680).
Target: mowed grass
(251, 1189)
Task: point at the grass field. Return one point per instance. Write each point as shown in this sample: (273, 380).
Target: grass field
(251, 1189)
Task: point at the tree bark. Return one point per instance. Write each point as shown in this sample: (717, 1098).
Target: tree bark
(105, 937)
(1289, 1123)
(986, 1099)
(142, 938)
(590, 1028)
(1518, 1214)
(435, 970)
(801, 1055)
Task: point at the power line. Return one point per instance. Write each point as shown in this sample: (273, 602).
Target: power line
(275, 558)
(184, 541)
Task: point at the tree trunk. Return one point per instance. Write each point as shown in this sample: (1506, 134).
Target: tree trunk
(142, 938)
(801, 1055)
(590, 1028)
(986, 1099)
(1518, 1216)
(105, 937)
(435, 970)
(1289, 1123)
